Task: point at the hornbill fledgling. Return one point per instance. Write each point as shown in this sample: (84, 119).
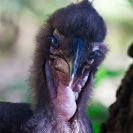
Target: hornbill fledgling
(68, 52)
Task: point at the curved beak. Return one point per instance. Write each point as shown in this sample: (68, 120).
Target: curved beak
(74, 62)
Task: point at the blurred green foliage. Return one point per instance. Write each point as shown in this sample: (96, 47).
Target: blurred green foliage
(131, 1)
(106, 72)
(38, 10)
(22, 85)
(97, 114)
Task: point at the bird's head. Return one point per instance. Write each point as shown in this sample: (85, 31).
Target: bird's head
(72, 40)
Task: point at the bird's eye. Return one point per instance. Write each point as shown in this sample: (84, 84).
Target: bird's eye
(53, 41)
(95, 54)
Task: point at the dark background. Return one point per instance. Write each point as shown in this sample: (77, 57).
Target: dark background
(20, 20)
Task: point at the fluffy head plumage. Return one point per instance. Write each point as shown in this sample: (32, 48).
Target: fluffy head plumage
(76, 20)
(79, 20)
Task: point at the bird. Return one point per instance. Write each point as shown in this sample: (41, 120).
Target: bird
(69, 50)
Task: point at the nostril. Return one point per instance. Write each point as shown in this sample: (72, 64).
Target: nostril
(89, 62)
(83, 67)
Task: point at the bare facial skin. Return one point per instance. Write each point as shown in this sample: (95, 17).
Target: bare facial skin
(63, 91)
(64, 97)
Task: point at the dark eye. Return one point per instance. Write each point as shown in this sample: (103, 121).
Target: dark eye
(53, 41)
(95, 54)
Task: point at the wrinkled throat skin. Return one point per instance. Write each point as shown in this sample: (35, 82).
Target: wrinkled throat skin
(61, 74)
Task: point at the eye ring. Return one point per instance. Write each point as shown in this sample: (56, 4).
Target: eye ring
(96, 53)
(53, 41)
